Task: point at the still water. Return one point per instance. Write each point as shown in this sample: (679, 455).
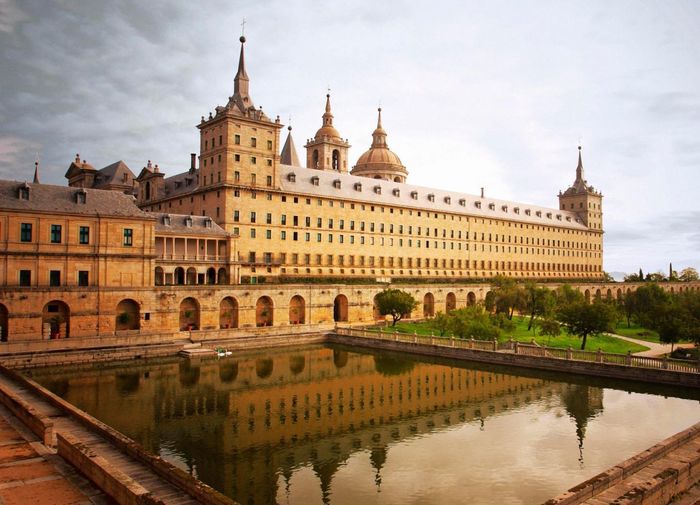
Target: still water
(330, 424)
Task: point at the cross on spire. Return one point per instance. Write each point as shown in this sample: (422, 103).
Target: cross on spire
(243, 27)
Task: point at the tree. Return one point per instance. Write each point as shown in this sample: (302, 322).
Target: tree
(441, 322)
(395, 303)
(549, 327)
(655, 277)
(688, 275)
(583, 319)
(649, 300)
(607, 277)
(629, 306)
(538, 302)
(474, 322)
(508, 296)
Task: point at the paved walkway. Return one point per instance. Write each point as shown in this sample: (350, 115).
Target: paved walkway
(31, 474)
(655, 349)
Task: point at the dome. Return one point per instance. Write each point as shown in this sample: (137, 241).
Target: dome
(327, 131)
(380, 162)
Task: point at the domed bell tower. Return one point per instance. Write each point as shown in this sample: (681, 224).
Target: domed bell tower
(327, 150)
(583, 199)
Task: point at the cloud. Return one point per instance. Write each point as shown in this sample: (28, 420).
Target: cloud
(12, 151)
(10, 15)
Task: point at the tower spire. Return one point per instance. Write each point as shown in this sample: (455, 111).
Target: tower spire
(579, 167)
(241, 81)
(328, 115)
(36, 171)
(379, 134)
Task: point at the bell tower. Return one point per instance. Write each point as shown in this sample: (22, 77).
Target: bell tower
(583, 199)
(327, 150)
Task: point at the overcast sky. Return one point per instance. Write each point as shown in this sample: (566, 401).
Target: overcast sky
(474, 94)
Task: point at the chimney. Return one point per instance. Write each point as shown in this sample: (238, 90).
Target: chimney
(482, 192)
(193, 161)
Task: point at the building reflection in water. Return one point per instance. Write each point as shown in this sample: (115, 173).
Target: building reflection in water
(246, 424)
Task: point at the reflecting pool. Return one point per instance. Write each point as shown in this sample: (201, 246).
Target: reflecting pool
(330, 424)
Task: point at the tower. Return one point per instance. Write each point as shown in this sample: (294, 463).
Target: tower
(380, 162)
(327, 150)
(583, 199)
(239, 143)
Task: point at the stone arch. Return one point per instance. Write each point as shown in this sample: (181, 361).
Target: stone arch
(609, 295)
(228, 313)
(340, 308)
(55, 320)
(264, 310)
(297, 310)
(222, 276)
(598, 294)
(335, 159)
(428, 305)
(211, 275)
(264, 367)
(179, 277)
(191, 276)
(128, 315)
(587, 295)
(160, 276)
(189, 314)
(450, 302)
(619, 294)
(397, 179)
(314, 159)
(471, 299)
(4, 322)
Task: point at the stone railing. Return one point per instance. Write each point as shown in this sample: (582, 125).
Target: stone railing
(532, 349)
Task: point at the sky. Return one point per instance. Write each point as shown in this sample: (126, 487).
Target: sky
(474, 94)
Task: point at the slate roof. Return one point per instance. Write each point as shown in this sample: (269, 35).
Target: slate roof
(380, 192)
(62, 199)
(179, 184)
(178, 225)
(114, 174)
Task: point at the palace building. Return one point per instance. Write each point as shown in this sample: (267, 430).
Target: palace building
(109, 252)
(334, 220)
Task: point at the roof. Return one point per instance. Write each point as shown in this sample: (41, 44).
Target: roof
(376, 191)
(63, 200)
(118, 174)
(288, 156)
(181, 184)
(184, 224)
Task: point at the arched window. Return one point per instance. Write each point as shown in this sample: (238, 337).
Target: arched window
(128, 315)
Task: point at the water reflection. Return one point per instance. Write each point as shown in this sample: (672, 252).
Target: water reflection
(330, 425)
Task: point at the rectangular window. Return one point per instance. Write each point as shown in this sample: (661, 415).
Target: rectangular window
(236, 216)
(253, 142)
(84, 235)
(253, 160)
(269, 180)
(283, 235)
(54, 278)
(236, 176)
(269, 145)
(55, 233)
(25, 277)
(252, 217)
(283, 219)
(252, 233)
(26, 232)
(237, 139)
(83, 277)
(268, 234)
(268, 218)
(128, 237)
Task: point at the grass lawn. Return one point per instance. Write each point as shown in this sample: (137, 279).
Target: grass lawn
(605, 342)
(636, 331)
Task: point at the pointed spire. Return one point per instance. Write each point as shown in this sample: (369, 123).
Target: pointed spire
(579, 167)
(328, 115)
(288, 156)
(36, 172)
(241, 81)
(379, 135)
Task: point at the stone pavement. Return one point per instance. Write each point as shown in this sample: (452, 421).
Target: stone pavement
(655, 349)
(31, 474)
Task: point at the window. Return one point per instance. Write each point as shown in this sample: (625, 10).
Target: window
(268, 218)
(128, 237)
(252, 233)
(252, 217)
(236, 216)
(54, 278)
(269, 145)
(283, 219)
(84, 234)
(55, 233)
(253, 142)
(253, 160)
(26, 232)
(83, 277)
(268, 180)
(237, 139)
(24, 193)
(25, 277)
(268, 234)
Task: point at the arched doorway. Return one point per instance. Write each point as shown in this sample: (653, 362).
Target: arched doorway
(4, 321)
(160, 276)
(587, 295)
(619, 294)
(191, 276)
(179, 276)
(598, 294)
(228, 313)
(609, 295)
(222, 277)
(55, 319)
(189, 314)
(450, 302)
(297, 310)
(264, 311)
(340, 308)
(428, 305)
(471, 299)
(128, 315)
(211, 275)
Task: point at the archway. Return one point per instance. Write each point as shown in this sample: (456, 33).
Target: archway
(160, 276)
(55, 319)
(128, 315)
(264, 311)
(598, 294)
(336, 159)
(222, 277)
(189, 314)
(211, 275)
(609, 295)
(340, 308)
(587, 294)
(619, 294)
(4, 321)
(179, 276)
(314, 159)
(228, 313)
(471, 299)
(191, 276)
(428, 305)
(297, 310)
(450, 302)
